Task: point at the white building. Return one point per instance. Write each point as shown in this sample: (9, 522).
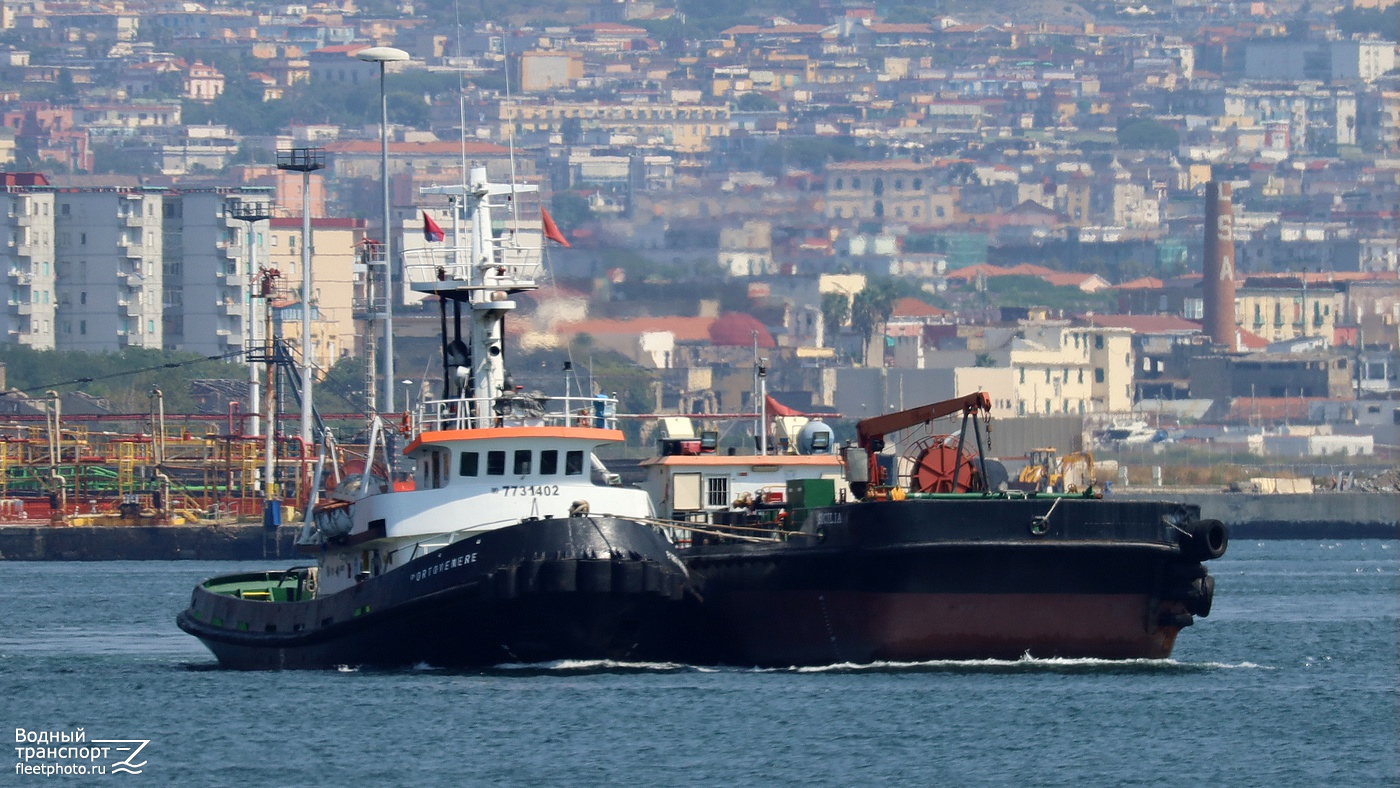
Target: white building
(27, 258)
(1063, 369)
(206, 268)
(747, 250)
(108, 254)
(1326, 61)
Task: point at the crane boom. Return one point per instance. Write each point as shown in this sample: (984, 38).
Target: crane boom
(871, 433)
(876, 427)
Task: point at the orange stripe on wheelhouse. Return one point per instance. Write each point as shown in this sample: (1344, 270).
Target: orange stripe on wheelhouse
(493, 433)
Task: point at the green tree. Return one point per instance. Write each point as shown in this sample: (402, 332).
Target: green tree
(1147, 134)
(345, 382)
(65, 84)
(871, 309)
(124, 378)
(836, 310)
(756, 102)
(1365, 20)
(814, 153)
(569, 210)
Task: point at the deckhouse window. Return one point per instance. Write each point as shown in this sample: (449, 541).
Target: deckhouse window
(549, 462)
(522, 462)
(573, 463)
(717, 491)
(495, 463)
(469, 462)
(438, 464)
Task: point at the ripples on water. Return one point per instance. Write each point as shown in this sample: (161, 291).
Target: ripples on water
(1291, 681)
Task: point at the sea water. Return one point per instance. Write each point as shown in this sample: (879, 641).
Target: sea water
(1291, 681)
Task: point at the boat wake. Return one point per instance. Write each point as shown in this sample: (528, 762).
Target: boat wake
(1030, 664)
(1026, 664)
(587, 666)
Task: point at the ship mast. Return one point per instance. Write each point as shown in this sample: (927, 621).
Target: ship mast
(480, 278)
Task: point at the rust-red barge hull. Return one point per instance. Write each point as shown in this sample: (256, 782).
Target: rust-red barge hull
(962, 578)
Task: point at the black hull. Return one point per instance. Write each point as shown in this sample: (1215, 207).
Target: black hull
(958, 578)
(576, 588)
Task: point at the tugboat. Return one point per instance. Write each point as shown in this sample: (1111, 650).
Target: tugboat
(924, 559)
(494, 555)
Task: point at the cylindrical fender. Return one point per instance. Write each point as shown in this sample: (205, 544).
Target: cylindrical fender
(1175, 620)
(559, 576)
(1205, 540)
(594, 575)
(1199, 602)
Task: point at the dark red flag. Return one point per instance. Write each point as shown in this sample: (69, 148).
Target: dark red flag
(431, 231)
(551, 230)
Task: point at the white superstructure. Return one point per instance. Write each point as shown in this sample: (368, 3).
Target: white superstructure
(485, 455)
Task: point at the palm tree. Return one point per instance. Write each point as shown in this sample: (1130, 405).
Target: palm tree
(870, 309)
(836, 310)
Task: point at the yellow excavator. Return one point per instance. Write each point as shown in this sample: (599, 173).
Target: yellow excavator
(1045, 471)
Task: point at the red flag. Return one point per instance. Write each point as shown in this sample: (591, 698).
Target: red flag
(551, 230)
(431, 231)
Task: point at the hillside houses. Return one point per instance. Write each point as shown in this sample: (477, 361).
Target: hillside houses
(1007, 193)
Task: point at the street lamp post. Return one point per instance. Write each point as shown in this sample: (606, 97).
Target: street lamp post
(383, 55)
(304, 161)
(251, 211)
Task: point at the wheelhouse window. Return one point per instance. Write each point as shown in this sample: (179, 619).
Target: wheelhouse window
(717, 491)
(522, 462)
(467, 465)
(549, 462)
(437, 464)
(573, 463)
(495, 463)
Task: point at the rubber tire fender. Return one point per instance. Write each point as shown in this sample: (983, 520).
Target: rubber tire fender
(1200, 604)
(1205, 540)
(1183, 573)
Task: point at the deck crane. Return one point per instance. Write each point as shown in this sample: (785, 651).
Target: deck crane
(864, 472)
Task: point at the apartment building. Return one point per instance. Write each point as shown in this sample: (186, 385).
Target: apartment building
(1064, 369)
(108, 255)
(1289, 310)
(206, 275)
(27, 258)
(894, 189)
(100, 270)
(684, 128)
(1335, 61)
(333, 259)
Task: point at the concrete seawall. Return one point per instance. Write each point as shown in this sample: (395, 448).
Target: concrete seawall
(146, 542)
(1349, 515)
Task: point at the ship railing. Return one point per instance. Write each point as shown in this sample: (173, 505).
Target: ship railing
(514, 410)
(451, 267)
